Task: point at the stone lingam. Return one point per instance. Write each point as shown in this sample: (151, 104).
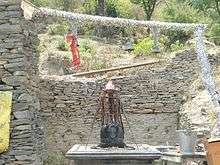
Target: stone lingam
(112, 150)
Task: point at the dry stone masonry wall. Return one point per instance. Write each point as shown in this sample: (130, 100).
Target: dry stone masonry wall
(18, 59)
(151, 100)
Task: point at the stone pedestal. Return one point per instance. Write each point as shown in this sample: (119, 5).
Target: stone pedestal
(82, 155)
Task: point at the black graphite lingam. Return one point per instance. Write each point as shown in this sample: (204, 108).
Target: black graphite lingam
(112, 130)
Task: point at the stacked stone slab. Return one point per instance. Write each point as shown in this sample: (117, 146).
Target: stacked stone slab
(18, 58)
(151, 99)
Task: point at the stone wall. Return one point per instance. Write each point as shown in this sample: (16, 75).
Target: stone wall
(18, 73)
(151, 99)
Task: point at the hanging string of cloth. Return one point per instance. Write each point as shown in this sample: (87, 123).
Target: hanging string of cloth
(71, 37)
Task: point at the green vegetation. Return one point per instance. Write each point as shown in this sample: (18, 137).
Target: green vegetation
(144, 46)
(148, 5)
(182, 11)
(214, 33)
(100, 64)
(176, 46)
(90, 61)
(68, 5)
(58, 29)
(55, 159)
(41, 47)
(63, 45)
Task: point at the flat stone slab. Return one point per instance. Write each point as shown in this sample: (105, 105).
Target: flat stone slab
(142, 154)
(184, 159)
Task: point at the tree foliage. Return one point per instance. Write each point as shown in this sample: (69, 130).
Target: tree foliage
(205, 5)
(148, 5)
(67, 5)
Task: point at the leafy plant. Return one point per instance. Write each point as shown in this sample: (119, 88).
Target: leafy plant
(41, 47)
(67, 5)
(100, 64)
(205, 5)
(63, 45)
(214, 34)
(181, 12)
(144, 46)
(148, 6)
(176, 46)
(86, 47)
(58, 29)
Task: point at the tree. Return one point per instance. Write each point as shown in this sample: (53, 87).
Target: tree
(205, 5)
(217, 6)
(101, 7)
(148, 5)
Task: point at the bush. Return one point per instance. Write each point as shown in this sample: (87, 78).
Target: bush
(176, 46)
(173, 36)
(58, 29)
(90, 7)
(144, 46)
(67, 5)
(41, 47)
(116, 8)
(90, 61)
(63, 45)
(87, 53)
(126, 9)
(100, 64)
(86, 47)
(214, 34)
(182, 13)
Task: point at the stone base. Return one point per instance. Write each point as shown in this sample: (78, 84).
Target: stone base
(110, 162)
(82, 155)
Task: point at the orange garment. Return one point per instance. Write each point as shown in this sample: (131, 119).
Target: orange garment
(74, 49)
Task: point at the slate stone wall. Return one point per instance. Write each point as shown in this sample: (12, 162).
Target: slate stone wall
(18, 73)
(151, 99)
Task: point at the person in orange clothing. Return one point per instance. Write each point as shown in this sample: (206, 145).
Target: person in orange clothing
(72, 39)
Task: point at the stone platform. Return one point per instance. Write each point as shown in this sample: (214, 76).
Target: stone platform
(87, 155)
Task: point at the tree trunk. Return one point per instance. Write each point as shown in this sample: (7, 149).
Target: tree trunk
(100, 30)
(217, 6)
(66, 5)
(149, 6)
(101, 7)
